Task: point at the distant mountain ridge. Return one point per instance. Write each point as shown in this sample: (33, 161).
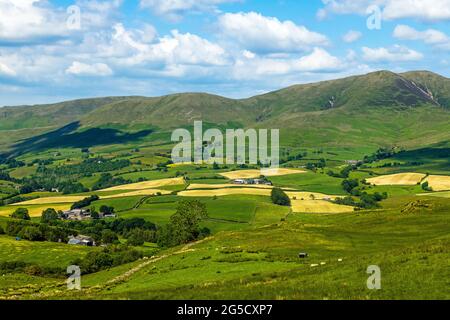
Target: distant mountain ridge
(336, 109)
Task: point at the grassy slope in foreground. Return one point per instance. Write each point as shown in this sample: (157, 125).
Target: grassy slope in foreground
(411, 249)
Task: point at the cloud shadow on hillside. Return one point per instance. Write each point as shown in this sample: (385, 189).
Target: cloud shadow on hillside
(69, 137)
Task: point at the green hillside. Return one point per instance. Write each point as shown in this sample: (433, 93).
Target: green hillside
(378, 109)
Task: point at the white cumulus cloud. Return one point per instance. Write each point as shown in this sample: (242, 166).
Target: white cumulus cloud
(318, 61)
(392, 54)
(6, 70)
(175, 9)
(352, 36)
(259, 33)
(427, 10)
(26, 19)
(84, 69)
(430, 36)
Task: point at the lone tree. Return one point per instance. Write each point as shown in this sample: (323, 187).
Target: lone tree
(49, 215)
(184, 225)
(350, 184)
(109, 236)
(136, 238)
(21, 213)
(280, 198)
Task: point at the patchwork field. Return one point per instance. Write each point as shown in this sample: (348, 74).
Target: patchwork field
(225, 192)
(47, 200)
(445, 194)
(34, 210)
(318, 206)
(310, 196)
(146, 192)
(196, 186)
(149, 184)
(398, 179)
(248, 174)
(439, 183)
(48, 254)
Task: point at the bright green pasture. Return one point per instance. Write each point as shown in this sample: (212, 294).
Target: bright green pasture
(412, 251)
(310, 181)
(46, 254)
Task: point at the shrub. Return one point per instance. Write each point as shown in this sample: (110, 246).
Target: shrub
(1, 230)
(106, 210)
(31, 233)
(49, 215)
(21, 213)
(349, 185)
(108, 237)
(426, 186)
(280, 198)
(38, 232)
(85, 202)
(107, 258)
(136, 238)
(33, 270)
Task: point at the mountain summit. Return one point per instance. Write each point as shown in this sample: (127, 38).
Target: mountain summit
(378, 108)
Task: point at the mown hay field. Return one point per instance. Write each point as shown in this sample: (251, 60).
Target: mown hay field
(248, 174)
(310, 196)
(46, 200)
(438, 183)
(147, 192)
(407, 179)
(149, 184)
(196, 186)
(318, 206)
(225, 192)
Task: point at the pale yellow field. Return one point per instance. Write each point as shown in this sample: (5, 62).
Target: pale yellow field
(149, 184)
(225, 192)
(445, 194)
(73, 199)
(222, 186)
(248, 174)
(46, 200)
(407, 179)
(148, 192)
(318, 206)
(439, 183)
(34, 211)
(310, 196)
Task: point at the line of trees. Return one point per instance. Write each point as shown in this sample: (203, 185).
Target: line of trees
(366, 200)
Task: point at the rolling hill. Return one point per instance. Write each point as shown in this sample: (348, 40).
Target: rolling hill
(377, 109)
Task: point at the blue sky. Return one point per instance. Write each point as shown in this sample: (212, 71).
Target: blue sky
(59, 49)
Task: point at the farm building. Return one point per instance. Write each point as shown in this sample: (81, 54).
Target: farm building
(76, 215)
(82, 241)
(106, 215)
(353, 162)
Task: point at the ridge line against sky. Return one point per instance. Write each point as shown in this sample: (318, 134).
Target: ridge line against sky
(59, 50)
